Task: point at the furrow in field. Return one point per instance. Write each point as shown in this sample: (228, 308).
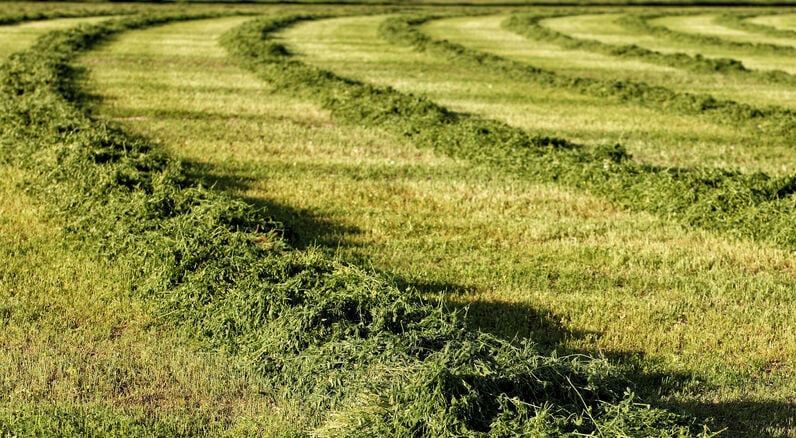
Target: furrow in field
(757, 57)
(652, 135)
(568, 55)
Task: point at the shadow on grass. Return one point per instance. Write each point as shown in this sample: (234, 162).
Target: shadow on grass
(301, 228)
(646, 376)
(744, 419)
(508, 321)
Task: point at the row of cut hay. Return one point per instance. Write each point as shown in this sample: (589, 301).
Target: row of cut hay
(528, 25)
(25, 16)
(641, 23)
(769, 120)
(728, 202)
(360, 355)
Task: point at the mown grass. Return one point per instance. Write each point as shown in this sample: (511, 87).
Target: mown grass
(18, 12)
(505, 245)
(327, 335)
(375, 117)
(80, 356)
(628, 28)
(489, 31)
(561, 267)
(744, 22)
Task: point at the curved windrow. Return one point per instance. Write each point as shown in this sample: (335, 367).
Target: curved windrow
(745, 22)
(487, 33)
(722, 77)
(763, 57)
(81, 356)
(783, 22)
(651, 94)
(545, 103)
(510, 150)
(775, 124)
(712, 194)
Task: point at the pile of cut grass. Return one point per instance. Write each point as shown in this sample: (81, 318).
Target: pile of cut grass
(363, 356)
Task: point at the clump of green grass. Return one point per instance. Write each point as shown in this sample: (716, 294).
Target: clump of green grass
(365, 356)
